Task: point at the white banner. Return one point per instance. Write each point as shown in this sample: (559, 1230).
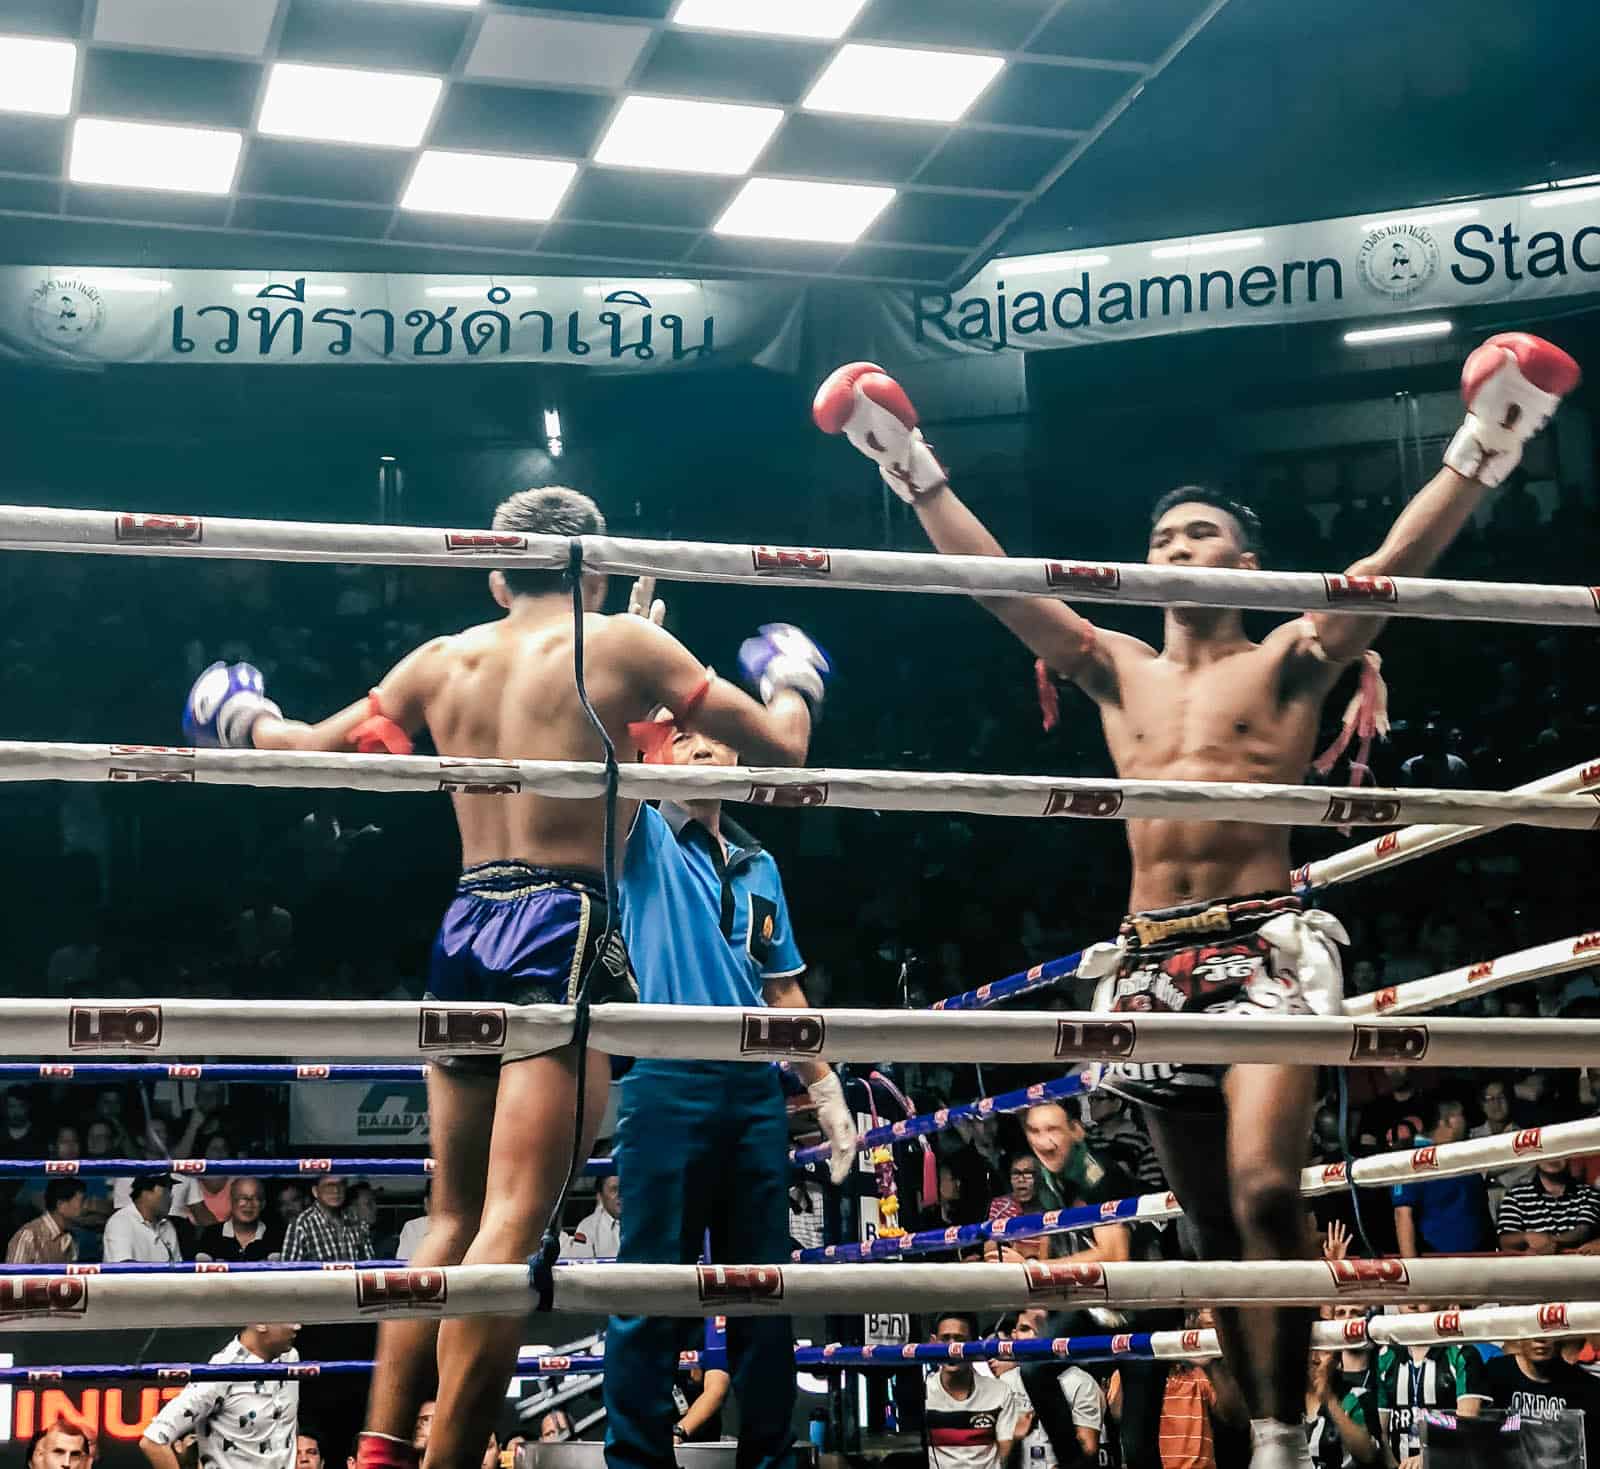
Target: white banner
(377, 1115)
(81, 315)
(1525, 247)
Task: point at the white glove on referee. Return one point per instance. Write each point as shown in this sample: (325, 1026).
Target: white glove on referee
(838, 1126)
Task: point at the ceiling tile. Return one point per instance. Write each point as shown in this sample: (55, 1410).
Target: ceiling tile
(156, 87)
(938, 219)
(613, 195)
(717, 251)
(324, 171)
(1050, 96)
(931, 266)
(238, 28)
(994, 25)
(36, 196)
(616, 241)
(310, 219)
(977, 160)
(539, 49)
(62, 18)
(33, 144)
(143, 204)
(633, 9)
(513, 120)
(422, 38)
(1113, 30)
(732, 68)
(872, 150)
(444, 229)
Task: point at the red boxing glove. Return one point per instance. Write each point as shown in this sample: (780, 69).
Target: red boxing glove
(1511, 386)
(377, 734)
(866, 405)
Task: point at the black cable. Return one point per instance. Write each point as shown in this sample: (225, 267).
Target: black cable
(1349, 1163)
(542, 1266)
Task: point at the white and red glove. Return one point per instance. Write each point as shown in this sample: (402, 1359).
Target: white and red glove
(1511, 385)
(866, 405)
(838, 1126)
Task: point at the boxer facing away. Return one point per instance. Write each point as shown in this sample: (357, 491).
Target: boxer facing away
(529, 913)
(1213, 923)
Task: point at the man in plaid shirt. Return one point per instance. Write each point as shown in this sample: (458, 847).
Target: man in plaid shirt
(327, 1230)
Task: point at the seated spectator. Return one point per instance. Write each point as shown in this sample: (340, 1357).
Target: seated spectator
(1083, 1395)
(48, 1240)
(18, 1139)
(599, 1234)
(289, 1202)
(413, 1231)
(555, 1427)
(1448, 1377)
(249, 1424)
(1494, 1097)
(244, 1234)
(307, 1450)
(1199, 1405)
(61, 1446)
(328, 1230)
(1023, 1198)
(1444, 1216)
(154, 1146)
(1342, 1410)
(971, 1420)
(361, 1203)
(1395, 1121)
(1070, 1175)
(1549, 1213)
(203, 1199)
(1116, 1136)
(805, 1213)
(1532, 1380)
(140, 1229)
(110, 1108)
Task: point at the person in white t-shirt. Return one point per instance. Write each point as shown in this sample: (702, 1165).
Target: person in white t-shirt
(598, 1235)
(971, 1417)
(1082, 1393)
(237, 1425)
(413, 1231)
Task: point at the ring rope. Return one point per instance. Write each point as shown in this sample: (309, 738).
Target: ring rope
(701, 1033)
(1397, 847)
(238, 1167)
(40, 528)
(1261, 803)
(230, 1267)
(203, 1071)
(1446, 1160)
(136, 1302)
(947, 1117)
(1037, 977)
(1486, 976)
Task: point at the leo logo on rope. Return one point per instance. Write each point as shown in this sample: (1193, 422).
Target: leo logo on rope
(478, 542)
(397, 1290)
(159, 530)
(24, 1296)
(1529, 1140)
(1189, 1342)
(796, 797)
(98, 1027)
(736, 1284)
(1587, 944)
(211, 1267)
(1589, 775)
(790, 561)
(316, 1165)
(1385, 999)
(1447, 1323)
(1553, 1317)
(1386, 844)
(1057, 1278)
(461, 1030)
(1076, 577)
(1361, 811)
(1095, 1040)
(66, 1166)
(1481, 970)
(1082, 803)
(187, 1165)
(57, 1072)
(786, 1032)
(1335, 1172)
(554, 1364)
(1424, 1158)
(1360, 589)
(1377, 1275)
(1121, 1344)
(1355, 1330)
(1376, 1044)
(180, 1072)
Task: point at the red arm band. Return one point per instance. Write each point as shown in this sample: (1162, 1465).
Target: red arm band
(377, 734)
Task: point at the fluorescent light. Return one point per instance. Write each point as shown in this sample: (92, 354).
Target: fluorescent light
(338, 104)
(1563, 196)
(146, 155)
(822, 20)
(1207, 247)
(688, 137)
(1398, 333)
(487, 185)
(120, 284)
(1439, 216)
(1044, 264)
(255, 288)
(1588, 178)
(469, 292)
(458, 4)
(787, 209)
(891, 81)
(36, 76)
(661, 287)
(552, 423)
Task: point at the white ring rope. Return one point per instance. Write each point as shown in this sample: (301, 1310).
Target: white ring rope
(1581, 951)
(1397, 847)
(38, 528)
(389, 1028)
(874, 790)
(120, 1302)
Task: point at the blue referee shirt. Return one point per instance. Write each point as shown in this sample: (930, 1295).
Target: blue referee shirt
(701, 928)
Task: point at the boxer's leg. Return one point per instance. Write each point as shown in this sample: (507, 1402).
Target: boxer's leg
(530, 1152)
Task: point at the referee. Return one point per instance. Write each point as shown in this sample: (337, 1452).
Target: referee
(704, 1144)
(237, 1425)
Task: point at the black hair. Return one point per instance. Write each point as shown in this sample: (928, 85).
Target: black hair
(59, 1190)
(552, 511)
(1448, 1102)
(966, 1318)
(1249, 522)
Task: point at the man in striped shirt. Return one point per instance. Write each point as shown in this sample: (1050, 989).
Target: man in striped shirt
(48, 1240)
(1448, 1377)
(972, 1420)
(1549, 1213)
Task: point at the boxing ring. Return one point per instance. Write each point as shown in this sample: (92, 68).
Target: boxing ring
(1534, 1296)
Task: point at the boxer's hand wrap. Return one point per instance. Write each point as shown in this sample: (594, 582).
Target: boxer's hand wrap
(223, 706)
(871, 409)
(1511, 385)
(838, 1126)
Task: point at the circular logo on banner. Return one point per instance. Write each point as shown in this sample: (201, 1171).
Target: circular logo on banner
(1398, 260)
(64, 312)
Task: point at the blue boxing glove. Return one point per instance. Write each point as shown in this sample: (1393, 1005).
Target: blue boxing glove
(783, 657)
(223, 706)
